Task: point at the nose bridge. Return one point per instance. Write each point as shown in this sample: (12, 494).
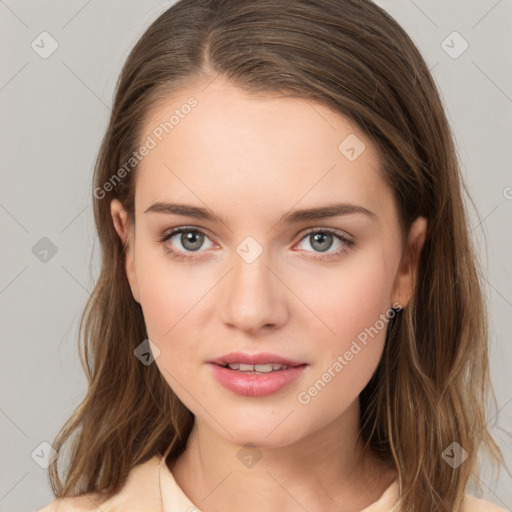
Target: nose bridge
(252, 296)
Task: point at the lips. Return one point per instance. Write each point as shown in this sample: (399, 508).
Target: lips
(254, 359)
(255, 384)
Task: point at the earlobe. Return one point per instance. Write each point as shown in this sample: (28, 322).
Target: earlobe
(125, 232)
(405, 281)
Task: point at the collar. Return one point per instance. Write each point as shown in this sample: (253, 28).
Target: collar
(175, 500)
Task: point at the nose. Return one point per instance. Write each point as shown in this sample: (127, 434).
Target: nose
(252, 296)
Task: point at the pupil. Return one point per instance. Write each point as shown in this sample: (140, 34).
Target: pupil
(192, 237)
(321, 238)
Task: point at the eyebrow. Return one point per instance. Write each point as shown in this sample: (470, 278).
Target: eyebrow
(322, 212)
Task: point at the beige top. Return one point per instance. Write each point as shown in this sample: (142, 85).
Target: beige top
(151, 488)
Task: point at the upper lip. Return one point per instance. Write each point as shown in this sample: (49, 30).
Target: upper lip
(261, 358)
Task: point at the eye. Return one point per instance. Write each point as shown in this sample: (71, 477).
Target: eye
(322, 239)
(190, 240)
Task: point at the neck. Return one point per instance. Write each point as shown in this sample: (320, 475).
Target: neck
(326, 470)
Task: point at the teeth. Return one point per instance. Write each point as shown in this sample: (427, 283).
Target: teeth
(262, 368)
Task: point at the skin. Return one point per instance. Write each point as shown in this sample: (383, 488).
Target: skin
(250, 159)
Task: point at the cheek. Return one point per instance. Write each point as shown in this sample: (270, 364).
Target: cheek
(352, 297)
(178, 305)
(168, 294)
(168, 307)
(355, 304)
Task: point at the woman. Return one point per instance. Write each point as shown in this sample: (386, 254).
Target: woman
(288, 314)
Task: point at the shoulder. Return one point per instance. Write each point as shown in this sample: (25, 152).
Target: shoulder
(469, 504)
(84, 503)
(472, 504)
(142, 490)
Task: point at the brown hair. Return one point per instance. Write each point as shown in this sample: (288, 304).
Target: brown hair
(432, 384)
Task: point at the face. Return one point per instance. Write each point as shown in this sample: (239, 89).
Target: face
(306, 288)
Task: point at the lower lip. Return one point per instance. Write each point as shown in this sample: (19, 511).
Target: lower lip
(256, 384)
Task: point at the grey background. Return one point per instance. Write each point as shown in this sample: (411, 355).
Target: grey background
(53, 114)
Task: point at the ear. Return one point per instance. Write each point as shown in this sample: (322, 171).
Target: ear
(405, 281)
(125, 232)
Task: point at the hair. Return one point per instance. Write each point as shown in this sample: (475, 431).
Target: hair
(432, 385)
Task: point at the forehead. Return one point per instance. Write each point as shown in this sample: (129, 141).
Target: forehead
(263, 153)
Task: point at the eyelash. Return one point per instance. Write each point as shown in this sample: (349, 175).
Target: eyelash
(182, 256)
